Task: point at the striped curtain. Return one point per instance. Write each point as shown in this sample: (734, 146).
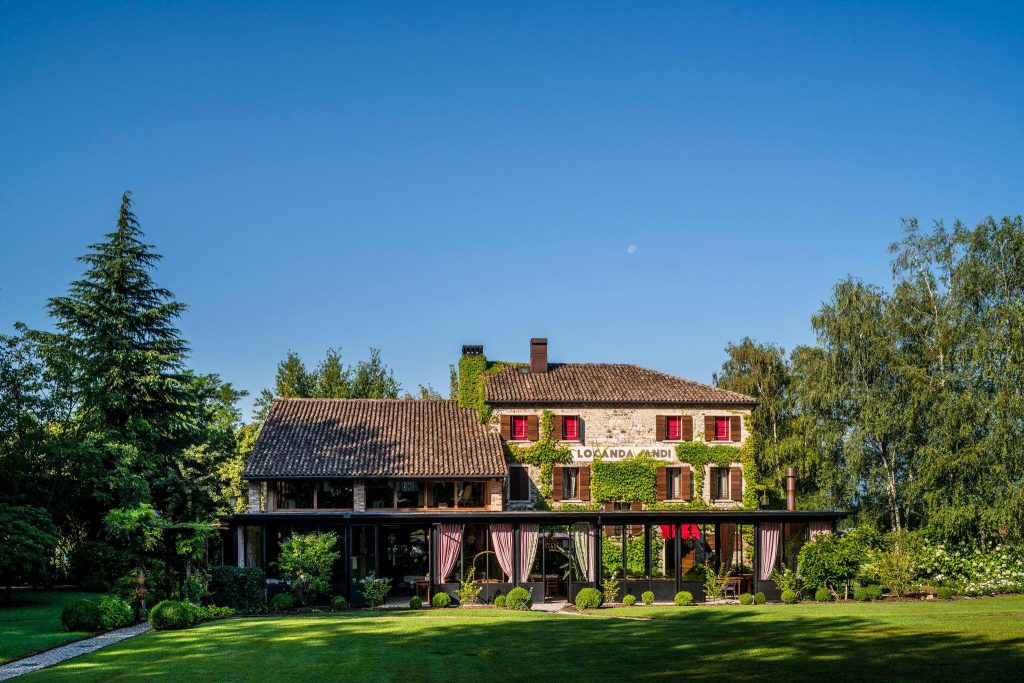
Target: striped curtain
(501, 541)
(818, 528)
(583, 548)
(527, 549)
(767, 550)
(449, 545)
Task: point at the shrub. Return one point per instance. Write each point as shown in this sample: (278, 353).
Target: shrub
(899, 565)
(374, 591)
(519, 598)
(441, 600)
(629, 600)
(415, 602)
(499, 601)
(684, 598)
(831, 560)
(760, 598)
(241, 588)
(790, 597)
(866, 593)
(611, 590)
(339, 603)
(82, 615)
(786, 580)
(587, 598)
(307, 561)
(282, 602)
(874, 592)
(116, 612)
(746, 599)
(214, 612)
(647, 597)
(823, 594)
(945, 593)
(171, 614)
(468, 591)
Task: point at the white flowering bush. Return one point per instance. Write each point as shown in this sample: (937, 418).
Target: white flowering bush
(973, 571)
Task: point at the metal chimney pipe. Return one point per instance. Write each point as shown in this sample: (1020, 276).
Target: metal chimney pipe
(790, 489)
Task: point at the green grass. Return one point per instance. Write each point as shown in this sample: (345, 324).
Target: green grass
(32, 622)
(959, 640)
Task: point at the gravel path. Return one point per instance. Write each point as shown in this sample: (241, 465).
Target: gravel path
(69, 651)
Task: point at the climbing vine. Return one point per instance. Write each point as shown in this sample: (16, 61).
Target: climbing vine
(544, 453)
(632, 479)
(699, 454)
(473, 371)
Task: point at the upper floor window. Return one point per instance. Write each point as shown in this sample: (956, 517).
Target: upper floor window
(673, 428)
(722, 429)
(675, 483)
(570, 483)
(518, 483)
(571, 428)
(520, 428)
(720, 490)
(334, 495)
(294, 495)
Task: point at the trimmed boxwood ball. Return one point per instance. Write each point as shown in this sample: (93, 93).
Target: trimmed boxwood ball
(760, 598)
(82, 615)
(169, 615)
(282, 602)
(117, 612)
(684, 598)
(823, 595)
(519, 598)
(629, 600)
(588, 598)
(415, 603)
(746, 599)
(339, 603)
(499, 601)
(945, 593)
(790, 597)
(441, 600)
(647, 597)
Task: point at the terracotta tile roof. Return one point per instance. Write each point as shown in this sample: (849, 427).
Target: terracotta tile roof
(305, 437)
(602, 383)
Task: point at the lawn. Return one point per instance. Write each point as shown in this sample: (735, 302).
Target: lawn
(968, 639)
(32, 622)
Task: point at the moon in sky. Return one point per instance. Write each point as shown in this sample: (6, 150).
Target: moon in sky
(631, 249)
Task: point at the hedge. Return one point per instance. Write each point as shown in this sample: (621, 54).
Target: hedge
(82, 615)
(242, 588)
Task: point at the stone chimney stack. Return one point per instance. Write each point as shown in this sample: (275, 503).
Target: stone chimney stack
(538, 354)
(790, 489)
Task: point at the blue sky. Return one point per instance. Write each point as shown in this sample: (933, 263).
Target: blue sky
(416, 176)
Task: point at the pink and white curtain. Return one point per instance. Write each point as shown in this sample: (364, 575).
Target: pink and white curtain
(584, 545)
(767, 550)
(449, 545)
(527, 549)
(816, 529)
(501, 541)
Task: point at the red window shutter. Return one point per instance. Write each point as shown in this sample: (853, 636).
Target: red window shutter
(721, 429)
(709, 428)
(556, 428)
(556, 484)
(735, 428)
(659, 428)
(736, 483)
(506, 427)
(519, 428)
(687, 428)
(636, 529)
(571, 428)
(673, 428)
(663, 473)
(684, 483)
(584, 483)
(532, 428)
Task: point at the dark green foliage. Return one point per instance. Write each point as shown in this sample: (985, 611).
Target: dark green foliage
(861, 594)
(499, 601)
(170, 615)
(760, 598)
(945, 593)
(82, 615)
(282, 602)
(244, 589)
(588, 598)
(632, 479)
(415, 602)
(307, 561)
(790, 597)
(519, 598)
(647, 597)
(683, 598)
(441, 600)
(27, 541)
(746, 599)
(823, 594)
(117, 612)
(339, 603)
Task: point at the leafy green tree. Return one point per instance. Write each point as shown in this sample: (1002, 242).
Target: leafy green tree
(140, 530)
(28, 538)
(332, 378)
(373, 379)
(307, 561)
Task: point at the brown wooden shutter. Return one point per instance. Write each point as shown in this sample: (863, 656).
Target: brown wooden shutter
(663, 483)
(709, 427)
(636, 529)
(660, 428)
(532, 428)
(579, 426)
(687, 422)
(506, 427)
(685, 483)
(584, 483)
(556, 427)
(609, 529)
(735, 431)
(736, 483)
(556, 484)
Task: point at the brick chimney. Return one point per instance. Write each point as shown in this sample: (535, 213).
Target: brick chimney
(538, 354)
